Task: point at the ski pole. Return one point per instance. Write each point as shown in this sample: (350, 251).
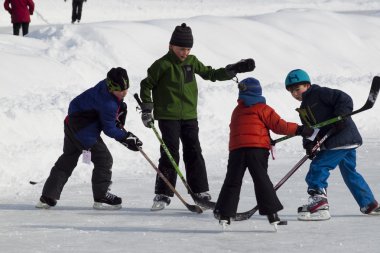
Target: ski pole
(192, 208)
(199, 201)
(246, 215)
(374, 91)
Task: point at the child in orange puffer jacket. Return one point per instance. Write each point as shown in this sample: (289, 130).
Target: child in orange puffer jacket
(249, 147)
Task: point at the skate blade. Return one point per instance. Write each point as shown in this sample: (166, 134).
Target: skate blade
(316, 216)
(42, 205)
(224, 224)
(279, 223)
(102, 206)
(374, 213)
(205, 205)
(157, 206)
(204, 208)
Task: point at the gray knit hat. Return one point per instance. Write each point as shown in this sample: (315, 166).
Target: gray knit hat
(182, 36)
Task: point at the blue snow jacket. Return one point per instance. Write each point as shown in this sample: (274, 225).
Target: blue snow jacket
(320, 104)
(93, 111)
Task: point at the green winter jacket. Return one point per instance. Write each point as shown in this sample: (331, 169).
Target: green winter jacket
(172, 87)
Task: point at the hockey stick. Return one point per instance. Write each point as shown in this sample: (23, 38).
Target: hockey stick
(192, 208)
(199, 201)
(374, 91)
(246, 215)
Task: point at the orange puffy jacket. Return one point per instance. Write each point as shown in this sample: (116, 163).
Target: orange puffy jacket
(250, 126)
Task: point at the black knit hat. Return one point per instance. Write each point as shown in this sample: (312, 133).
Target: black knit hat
(117, 79)
(182, 36)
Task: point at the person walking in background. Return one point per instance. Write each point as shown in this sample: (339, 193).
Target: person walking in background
(77, 10)
(171, 90)
(319, 104)
(249, 146)
(100, 108)
(20, 11)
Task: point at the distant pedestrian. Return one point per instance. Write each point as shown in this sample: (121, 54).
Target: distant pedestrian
(20, 11)
(77, 10)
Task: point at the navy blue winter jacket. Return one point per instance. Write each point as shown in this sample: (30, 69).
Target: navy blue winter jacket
(321, 104)
(93, 111)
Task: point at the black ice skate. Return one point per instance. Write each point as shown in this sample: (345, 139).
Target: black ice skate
(224, 221)
(203, 199)
(275, 220)
(46, 202)
(159, 202)
(108, 202)
(203, 196)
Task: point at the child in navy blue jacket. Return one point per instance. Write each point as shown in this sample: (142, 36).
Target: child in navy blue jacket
(100, 108)
(319, 104)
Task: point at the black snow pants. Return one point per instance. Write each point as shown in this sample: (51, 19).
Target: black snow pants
(188, 132)
(64, 166)
(18, 26)
(77, 10)
(256, 159)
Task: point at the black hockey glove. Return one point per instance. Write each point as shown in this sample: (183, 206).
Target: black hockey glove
(241, 66)
(304, 131)
(340, 125)
(122, 115)
(132, 142)
(146, 115)
(309, 148)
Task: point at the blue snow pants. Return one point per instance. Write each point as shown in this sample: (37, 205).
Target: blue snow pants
(327, 160)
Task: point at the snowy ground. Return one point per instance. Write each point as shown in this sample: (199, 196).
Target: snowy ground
(336, 41)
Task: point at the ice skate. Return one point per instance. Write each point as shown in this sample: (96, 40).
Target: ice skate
(317, 209)
(203, 196)
(318, 215)
(371, 209)
(276, 221)
(273, 220)
(46, 202)
(224, 221)
(160, 201)
(203, 199)
(108, 202)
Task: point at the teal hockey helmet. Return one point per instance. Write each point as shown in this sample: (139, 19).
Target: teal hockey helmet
(297, 76)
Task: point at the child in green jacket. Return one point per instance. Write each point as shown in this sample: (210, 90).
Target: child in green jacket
(170, 89)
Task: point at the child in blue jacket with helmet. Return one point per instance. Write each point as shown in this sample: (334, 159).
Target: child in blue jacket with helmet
(319, 104)
(100, 108)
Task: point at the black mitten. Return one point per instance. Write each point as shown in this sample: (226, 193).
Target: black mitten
(241, 66)
(304, 131)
